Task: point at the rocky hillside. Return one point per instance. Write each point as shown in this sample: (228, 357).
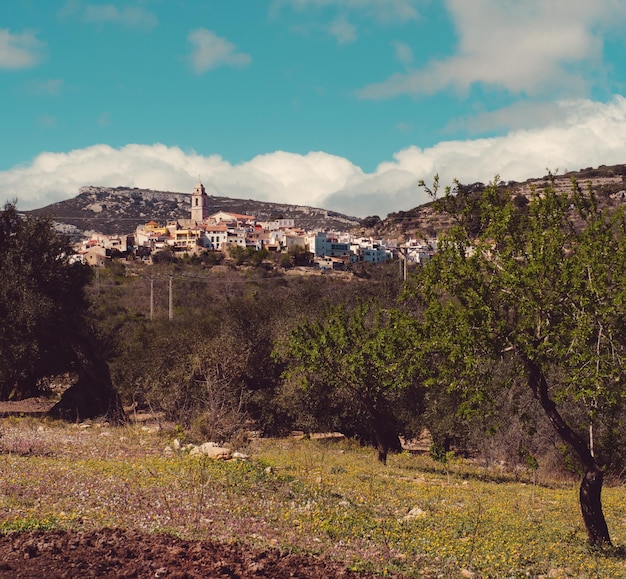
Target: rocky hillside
(607, 182)
(112, 210)
(118, 210)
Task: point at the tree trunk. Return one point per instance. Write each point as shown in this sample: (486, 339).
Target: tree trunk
(591, 484)
(93, 395)
(591, 507)
(387, 439)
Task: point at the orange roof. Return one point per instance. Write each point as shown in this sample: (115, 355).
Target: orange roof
(216, 227)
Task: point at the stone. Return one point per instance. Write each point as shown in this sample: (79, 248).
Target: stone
(328, 436)
(210, 450)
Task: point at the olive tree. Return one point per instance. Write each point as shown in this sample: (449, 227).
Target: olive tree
(45, 328)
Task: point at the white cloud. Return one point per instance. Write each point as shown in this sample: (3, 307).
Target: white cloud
(403, 52)
(51, 86)
(19, 50)
(104, 120)
(341, 24)
(342, 30)
(518, 115)
(380, 10)
(584, 133)
(210, 51)
(524, 47)
(47, 121)
(131, 16)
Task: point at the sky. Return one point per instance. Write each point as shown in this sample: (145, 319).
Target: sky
(340, 104)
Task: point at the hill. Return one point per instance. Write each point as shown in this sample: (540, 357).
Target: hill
(607, 182)
(118, 210)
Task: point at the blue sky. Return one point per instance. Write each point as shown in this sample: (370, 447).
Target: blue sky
(343, 104)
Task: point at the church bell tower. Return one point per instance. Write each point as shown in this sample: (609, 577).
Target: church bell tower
(199, 203)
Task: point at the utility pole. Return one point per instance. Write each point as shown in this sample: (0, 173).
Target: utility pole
(151, 298)
(403, 252)
(171, 308)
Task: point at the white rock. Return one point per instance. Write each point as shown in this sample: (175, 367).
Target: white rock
(208, 449)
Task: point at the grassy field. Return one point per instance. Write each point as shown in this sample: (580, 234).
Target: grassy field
(412, 516)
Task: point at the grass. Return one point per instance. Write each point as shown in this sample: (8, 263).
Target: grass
(411, 516)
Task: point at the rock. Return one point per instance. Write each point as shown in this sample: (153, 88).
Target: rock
(240, 456)
(209, 449)
(328, 436)
(176, 444)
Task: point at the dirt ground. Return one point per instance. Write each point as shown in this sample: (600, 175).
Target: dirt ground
(29, 406)
(116, 553)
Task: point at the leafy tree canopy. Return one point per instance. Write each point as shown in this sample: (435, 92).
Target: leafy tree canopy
(542, 285)
(43, 308)
(359, 370)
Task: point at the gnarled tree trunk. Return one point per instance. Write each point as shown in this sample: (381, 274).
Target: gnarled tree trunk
(93, 395)
(591, 484)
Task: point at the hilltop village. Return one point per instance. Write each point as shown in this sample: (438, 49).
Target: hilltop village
(227, 233)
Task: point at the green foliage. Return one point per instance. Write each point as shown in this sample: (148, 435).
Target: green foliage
(543, 287)
(247, 255)
(42, 303)
(407, 519)
(357, 370)
(165, 256)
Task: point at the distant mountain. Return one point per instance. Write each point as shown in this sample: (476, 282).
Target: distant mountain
(607, 182)
(118, 210)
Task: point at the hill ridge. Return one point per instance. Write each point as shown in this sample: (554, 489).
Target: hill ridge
(118, 210)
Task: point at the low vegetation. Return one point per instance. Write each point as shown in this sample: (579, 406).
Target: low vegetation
(416, 516)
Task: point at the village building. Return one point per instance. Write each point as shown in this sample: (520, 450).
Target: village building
(215, 236)
(224, 229)
(234, 219)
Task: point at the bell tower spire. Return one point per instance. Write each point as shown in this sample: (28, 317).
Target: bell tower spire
(199, 203)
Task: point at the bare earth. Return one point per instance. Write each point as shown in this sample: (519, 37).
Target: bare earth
(30, 406)
(119, 553)
(116, 553)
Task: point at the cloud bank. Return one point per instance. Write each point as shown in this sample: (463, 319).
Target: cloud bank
(558, 45)
(585, 133)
